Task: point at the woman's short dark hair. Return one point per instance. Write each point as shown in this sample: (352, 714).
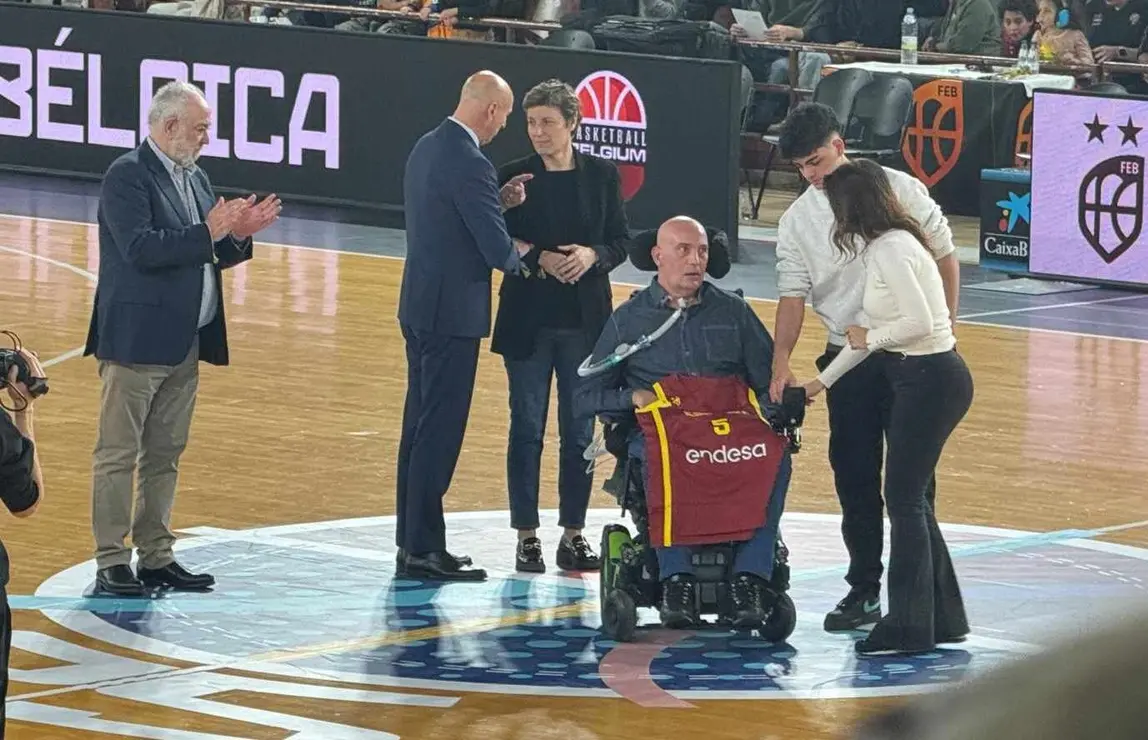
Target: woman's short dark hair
(554, 94)
(865, 206)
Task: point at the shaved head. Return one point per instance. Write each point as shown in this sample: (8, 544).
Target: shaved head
(681, 254)
(485, 102)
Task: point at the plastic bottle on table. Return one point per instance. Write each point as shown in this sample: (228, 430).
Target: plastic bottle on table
(909, 37)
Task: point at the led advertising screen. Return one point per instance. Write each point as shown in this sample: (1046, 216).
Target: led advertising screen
(1088, 187)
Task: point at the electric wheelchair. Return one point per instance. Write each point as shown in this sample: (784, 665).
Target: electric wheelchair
(629, 578)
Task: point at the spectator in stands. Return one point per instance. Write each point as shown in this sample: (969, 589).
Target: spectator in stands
(1115, 30)
(366, 24)
(853, 23)
(969, 27)
(787, 20)
(847, 23)
(1018, 24)
(570, 206)
(929, 15)
(1058, 36)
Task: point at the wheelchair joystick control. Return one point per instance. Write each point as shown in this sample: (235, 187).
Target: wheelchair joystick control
(791, 416)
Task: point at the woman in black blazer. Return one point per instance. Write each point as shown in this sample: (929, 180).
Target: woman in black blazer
(570, 206)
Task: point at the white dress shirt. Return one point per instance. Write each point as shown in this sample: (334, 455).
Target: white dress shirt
(903, 303)
(467, 129)
(181, 178)
(809, 266)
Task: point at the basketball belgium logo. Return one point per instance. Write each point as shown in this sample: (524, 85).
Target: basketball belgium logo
(1110, 206)
(614, 126)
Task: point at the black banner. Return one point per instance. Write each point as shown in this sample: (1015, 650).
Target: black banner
(1006, 219)
(957, 128)
(329, 117)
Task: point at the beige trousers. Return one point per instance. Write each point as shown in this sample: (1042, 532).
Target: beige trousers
(145, 416)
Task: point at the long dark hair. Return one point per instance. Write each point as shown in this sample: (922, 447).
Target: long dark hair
(865, 207)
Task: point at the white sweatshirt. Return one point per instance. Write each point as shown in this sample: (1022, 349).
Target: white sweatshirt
(809, 266)
(903, 301)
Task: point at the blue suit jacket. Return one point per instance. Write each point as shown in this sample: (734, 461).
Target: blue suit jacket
(455, 235)
(151, 267)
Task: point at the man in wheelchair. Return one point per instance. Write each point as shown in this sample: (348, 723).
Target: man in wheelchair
(683, 410)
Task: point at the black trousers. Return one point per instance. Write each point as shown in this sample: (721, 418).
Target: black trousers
(930, 396)
(859, 406)
(440, 385)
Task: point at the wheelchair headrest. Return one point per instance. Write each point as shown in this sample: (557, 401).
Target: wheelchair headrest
(644, 241)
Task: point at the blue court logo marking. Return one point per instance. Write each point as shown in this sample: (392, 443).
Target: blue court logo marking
(322, 599)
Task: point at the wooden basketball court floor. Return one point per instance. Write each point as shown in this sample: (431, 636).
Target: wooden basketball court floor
(288, 484)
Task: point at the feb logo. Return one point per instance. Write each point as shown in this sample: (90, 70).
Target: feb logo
(932, 143)
(614, 126)
(1110, 208)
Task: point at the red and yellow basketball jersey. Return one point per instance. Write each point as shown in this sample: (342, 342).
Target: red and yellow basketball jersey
(711, 461)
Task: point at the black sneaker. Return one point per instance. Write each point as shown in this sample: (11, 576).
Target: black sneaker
(749, 602)
(679, 604)
(576, 554)
(528, 558)
(859, 608)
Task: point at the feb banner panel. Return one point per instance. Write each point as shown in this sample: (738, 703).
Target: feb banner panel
(1088, 156)
(329, 117)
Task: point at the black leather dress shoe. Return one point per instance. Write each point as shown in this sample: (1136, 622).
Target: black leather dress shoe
(461, 561)
(441, 566)
(118, 580)
(177, 577)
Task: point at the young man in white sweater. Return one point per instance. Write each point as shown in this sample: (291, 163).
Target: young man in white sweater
(808, 268)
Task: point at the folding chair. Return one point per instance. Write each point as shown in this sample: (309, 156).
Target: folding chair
(880, 114)
(836, 90)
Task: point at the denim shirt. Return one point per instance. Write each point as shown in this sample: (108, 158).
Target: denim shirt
(718, 336)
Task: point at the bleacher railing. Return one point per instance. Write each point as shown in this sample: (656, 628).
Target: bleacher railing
(1098, 71)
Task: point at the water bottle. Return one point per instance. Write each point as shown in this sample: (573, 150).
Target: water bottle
(909, 38)
(1024, 58)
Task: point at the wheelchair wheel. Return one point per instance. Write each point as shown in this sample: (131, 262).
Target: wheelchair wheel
(782, 620)
(619, 616)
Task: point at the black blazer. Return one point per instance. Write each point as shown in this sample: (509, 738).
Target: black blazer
(151, 267)
(605, 229)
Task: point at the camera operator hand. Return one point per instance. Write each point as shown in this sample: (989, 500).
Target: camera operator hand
(21, 492)
(19, 392)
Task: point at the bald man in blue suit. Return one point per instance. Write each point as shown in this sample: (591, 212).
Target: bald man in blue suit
(456, 237)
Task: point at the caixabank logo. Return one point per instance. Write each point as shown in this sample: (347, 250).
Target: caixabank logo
(614, 126)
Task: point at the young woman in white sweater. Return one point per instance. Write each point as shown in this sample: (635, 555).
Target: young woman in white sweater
(905, 323)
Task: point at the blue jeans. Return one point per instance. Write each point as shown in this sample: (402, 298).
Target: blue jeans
(756, 555)
(556, 352)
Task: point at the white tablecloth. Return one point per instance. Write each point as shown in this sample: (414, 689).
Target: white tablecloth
(1030, 82)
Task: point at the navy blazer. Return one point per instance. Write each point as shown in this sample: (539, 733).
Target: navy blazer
(455, 236)
(151, 267)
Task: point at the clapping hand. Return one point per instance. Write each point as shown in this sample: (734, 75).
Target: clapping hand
(513, 193)
(224, 215)
(257, 216)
